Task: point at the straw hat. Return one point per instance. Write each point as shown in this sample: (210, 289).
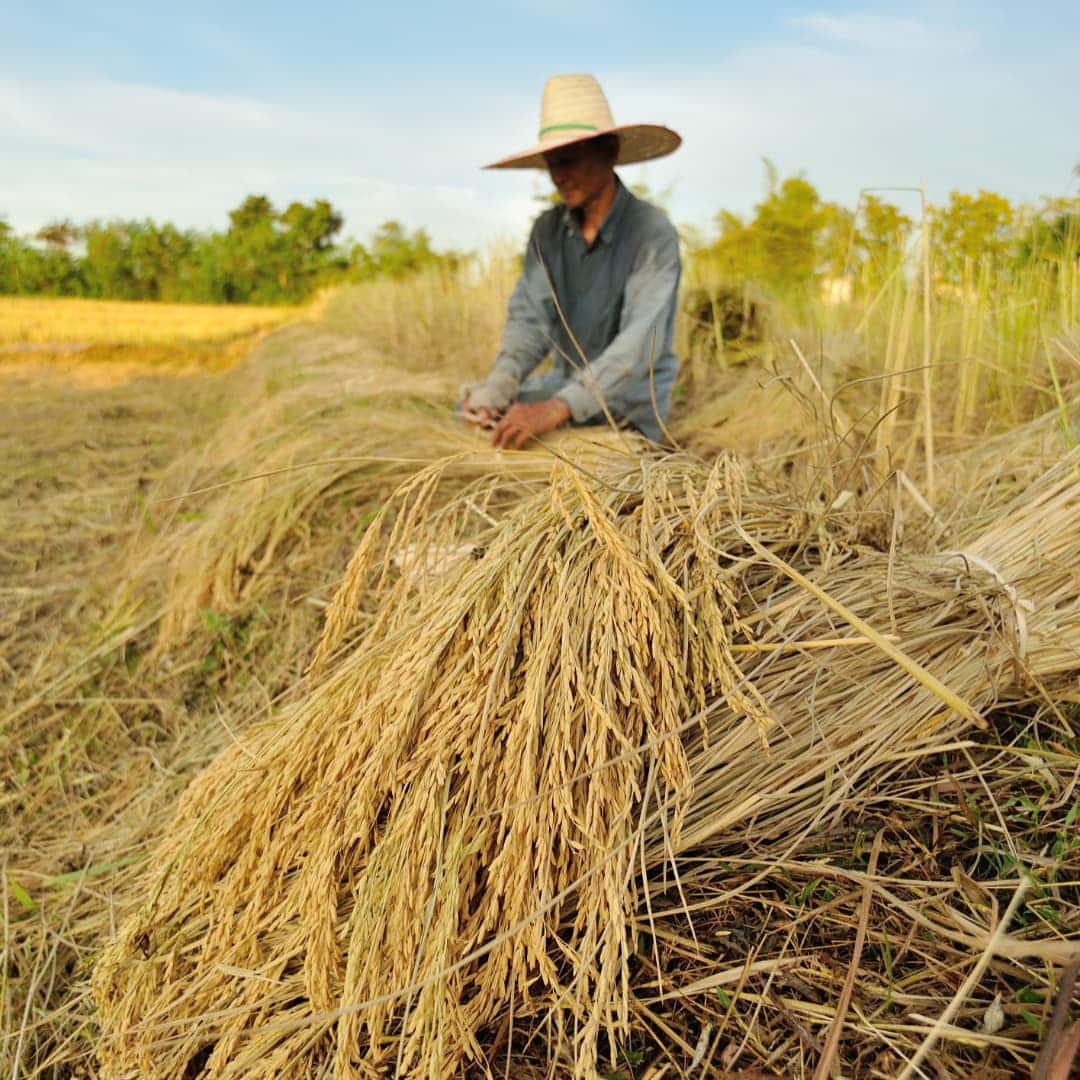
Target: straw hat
(574, 109)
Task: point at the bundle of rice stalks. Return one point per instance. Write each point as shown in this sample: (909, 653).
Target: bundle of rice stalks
(748, 412)
(982, 474)
(994, 623)
(955, 634)
(467, 822)
(312, 443)
(139, 630)
(378, 859)
(338, 440)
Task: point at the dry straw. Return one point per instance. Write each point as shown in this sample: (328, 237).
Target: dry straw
(100, 733)
(469, 818)
(158, 590)
(374, 852)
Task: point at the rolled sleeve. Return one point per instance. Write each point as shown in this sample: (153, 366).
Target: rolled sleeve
(496, 392)
(582, 402)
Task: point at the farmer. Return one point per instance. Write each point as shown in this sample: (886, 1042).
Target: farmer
(598, 288)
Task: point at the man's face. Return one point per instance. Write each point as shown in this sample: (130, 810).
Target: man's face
(580, 172)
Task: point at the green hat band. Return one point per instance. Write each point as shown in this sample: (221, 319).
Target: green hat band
(567, 127)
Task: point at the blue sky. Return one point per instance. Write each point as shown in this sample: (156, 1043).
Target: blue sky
(115, 110)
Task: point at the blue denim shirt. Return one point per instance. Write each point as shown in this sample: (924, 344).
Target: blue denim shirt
(618, 298)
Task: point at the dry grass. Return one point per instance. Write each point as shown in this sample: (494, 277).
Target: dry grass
(146, 635)
(123, 673)
(488, 840)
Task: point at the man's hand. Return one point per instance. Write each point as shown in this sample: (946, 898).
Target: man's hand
(524, 422)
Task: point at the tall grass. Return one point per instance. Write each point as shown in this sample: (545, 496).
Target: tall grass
(442, 318)
(990, 353)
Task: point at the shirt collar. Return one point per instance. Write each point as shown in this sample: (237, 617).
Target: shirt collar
(614, 215)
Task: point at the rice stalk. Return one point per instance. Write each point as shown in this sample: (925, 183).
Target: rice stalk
(379, 859)
(476, 806)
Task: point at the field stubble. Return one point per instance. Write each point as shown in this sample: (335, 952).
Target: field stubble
(145, 634)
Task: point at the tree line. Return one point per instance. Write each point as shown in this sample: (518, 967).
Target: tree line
(265, 256)
(792, 239)
(795, 238)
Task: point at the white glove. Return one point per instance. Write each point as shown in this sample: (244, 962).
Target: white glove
(496, 392)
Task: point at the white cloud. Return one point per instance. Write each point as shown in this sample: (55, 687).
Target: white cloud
(881, 32)
(828, 104)
(101, 115)
(851, 121)
(105, 149)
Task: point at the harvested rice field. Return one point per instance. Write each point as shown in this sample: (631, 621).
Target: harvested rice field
(36, 320)
(337, 743)
(106, 341)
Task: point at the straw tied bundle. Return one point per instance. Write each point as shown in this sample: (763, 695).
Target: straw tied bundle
(462, 824)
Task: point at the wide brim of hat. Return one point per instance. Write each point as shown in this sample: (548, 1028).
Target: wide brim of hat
(637, 142)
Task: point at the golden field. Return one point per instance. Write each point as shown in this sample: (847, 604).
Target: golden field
(76, 321)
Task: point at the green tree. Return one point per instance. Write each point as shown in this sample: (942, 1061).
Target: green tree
(269, 257)
(158, 255)
(308, 237)
(9, 280)
(205, 276)
(255, 260)
(29, 269)
(396, 252)
(792, 238)
(313, 227)
(106, 267)
(788, 223)
(1050, 234)
(59, 272)
(59, 234)
(881, 239)
(838, 241)
(736, 253)
(884, 230)
(970, 230)
(262, 257)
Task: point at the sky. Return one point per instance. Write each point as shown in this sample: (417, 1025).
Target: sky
(116, 110)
